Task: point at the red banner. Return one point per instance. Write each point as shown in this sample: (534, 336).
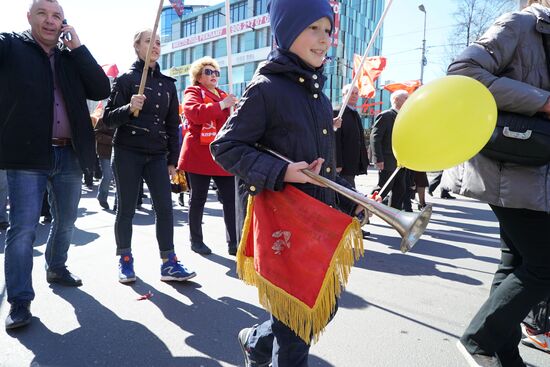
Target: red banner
(178, 7)
(409, 85)
(298, 251)
(372, 68)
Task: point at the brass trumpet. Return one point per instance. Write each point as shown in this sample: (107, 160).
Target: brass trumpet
(409, 225)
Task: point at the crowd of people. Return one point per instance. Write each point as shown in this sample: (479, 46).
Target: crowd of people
(138, 139)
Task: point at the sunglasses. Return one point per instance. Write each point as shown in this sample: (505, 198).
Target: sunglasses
(210, 72)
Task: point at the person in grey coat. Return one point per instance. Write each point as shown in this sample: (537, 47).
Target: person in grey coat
(510, 60)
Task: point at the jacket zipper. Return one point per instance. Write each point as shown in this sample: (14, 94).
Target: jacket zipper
(138, 127)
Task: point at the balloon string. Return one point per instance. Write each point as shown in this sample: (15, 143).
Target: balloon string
(380, 193)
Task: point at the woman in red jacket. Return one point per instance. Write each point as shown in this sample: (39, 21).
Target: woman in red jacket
(206, 108)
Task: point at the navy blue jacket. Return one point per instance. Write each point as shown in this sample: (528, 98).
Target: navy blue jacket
(284, 109)
(155, 130)
(351, 150)
(26, 101)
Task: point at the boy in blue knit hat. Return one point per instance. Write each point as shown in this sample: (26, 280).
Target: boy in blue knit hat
(284, 109)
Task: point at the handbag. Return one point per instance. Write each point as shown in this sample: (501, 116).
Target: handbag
(519, 139)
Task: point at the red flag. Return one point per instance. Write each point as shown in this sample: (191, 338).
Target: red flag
(178, 7)
(409, 85)
(372, 68)
(298, 252)
(110, 70)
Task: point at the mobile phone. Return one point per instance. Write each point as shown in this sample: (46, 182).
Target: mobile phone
(66, 35)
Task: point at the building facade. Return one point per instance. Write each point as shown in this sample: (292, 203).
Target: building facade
(201, 32)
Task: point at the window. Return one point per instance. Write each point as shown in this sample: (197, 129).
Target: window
(220, 48)
(238, 11)
(207, 51)
(211, 20)
(263, 37)
(189, 27)
(237, 43)
(168, 16)
(260, 7)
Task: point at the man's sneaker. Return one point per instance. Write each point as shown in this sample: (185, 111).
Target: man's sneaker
(243, 337)
(477, 360)
(200, 248)
(172, 270)
(539, 341)
(126, 269)
(64, 277)
(19, 316)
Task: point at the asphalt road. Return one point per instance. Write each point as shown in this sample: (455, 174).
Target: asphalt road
(403, 310)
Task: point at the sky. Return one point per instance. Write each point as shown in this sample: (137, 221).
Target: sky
(107, 27)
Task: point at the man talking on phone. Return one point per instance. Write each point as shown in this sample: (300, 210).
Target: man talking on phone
(46, 142)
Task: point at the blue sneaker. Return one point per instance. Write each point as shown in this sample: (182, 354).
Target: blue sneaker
(172, 270)
(126, 269)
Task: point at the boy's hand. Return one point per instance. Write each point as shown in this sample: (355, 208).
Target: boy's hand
(294, 171)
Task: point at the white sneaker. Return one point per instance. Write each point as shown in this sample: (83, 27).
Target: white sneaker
(477, 360)
(539, 341)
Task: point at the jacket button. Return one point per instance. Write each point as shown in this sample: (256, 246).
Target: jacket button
(157, 106)
(158, 94)
(133, 132)
(328, 170)
(315, 95)
(316, 85)
(325, 131)
(314, 76)
(301, 80)
(160, 84)
(253, 188)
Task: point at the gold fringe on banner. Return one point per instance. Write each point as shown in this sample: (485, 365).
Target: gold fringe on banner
(308, 323)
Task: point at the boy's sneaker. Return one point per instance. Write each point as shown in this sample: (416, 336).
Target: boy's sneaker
(243, 336)
(126, 269)
(539, 341)
(477, 360)
(172, 270)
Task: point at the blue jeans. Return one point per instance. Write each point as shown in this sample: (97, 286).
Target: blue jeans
(106, 178)
(26, 191)
(130, 168)
(3, 196)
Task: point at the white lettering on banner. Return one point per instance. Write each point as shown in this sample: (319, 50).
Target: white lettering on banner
(335, 32)
(236, 28)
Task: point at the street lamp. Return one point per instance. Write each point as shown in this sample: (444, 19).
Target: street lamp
(423, 62)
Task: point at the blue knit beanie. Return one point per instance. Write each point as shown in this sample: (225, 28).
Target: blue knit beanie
(290, 17)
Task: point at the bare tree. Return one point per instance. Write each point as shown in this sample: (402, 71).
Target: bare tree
(472, 18)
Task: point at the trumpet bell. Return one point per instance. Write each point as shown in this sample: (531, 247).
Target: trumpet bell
(411, 226)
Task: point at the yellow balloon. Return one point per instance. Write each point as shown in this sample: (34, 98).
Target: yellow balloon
(443, 123)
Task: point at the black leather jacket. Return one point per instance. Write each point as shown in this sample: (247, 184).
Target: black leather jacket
(155, 130)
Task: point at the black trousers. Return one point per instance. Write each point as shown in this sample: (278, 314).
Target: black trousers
(521, 281)
(130, 168)
(197, 199)
(397, 187)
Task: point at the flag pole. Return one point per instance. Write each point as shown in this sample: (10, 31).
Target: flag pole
(371, 42)
(148, 57)
(228, 42)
